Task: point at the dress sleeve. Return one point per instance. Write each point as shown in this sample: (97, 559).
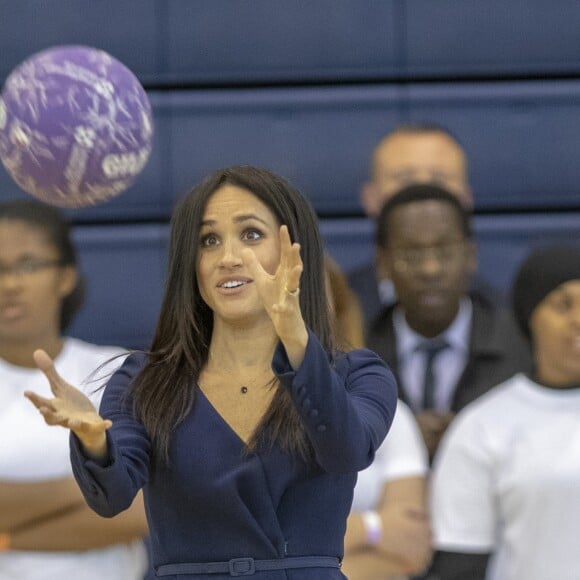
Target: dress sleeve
(111, 486)
(347, 406)
(463, 498)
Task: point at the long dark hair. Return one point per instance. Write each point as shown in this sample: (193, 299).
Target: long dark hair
(57, 230)
(164, 391)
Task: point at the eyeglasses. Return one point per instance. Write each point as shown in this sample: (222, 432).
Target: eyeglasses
(412, 259)
(28, 267)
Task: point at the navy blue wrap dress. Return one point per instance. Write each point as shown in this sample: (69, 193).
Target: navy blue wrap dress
(215, 502)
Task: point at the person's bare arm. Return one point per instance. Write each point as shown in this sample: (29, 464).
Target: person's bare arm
(83, 529)
(405, 546)
(22, 503)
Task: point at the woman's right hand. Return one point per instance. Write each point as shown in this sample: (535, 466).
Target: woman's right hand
(70, 408)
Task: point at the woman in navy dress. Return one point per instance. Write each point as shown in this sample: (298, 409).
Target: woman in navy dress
(242, 424)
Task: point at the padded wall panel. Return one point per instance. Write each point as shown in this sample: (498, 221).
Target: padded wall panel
(125, 28)
(349, 241)
(503, 241)
(320, 139)
(495, 37)
(521, 138)
(222, 41)
(276, 40)
(124, 268)
(227, 41)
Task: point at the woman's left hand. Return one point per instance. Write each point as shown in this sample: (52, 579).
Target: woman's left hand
(280, 292)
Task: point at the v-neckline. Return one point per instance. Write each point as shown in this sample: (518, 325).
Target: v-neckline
(223, 420)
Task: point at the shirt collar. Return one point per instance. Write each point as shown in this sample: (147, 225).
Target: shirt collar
(456, 334)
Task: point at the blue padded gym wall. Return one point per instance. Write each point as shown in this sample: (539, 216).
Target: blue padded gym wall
(307, 89)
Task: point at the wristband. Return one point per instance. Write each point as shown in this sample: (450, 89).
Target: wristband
(373, 526)
(5, 542)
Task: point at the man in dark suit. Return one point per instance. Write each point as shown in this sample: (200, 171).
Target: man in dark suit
(445, 344)
(423, 153)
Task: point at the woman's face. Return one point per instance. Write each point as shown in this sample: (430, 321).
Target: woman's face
(32, 283)
(235, 219)
(555, 327)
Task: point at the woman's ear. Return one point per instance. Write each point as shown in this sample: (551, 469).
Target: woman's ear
(68, 280)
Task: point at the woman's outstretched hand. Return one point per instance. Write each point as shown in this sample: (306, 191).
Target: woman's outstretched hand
(280, 294)
(70, 408)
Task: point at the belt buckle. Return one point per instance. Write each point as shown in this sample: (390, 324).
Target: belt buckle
(242, 567)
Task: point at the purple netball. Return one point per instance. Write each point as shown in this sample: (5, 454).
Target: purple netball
(76, 126)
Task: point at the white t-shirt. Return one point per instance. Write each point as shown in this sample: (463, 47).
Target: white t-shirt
(402, 454)
(32, 451)
(506, 481)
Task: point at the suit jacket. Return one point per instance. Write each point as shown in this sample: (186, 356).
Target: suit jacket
(363, 280)
(497, 351)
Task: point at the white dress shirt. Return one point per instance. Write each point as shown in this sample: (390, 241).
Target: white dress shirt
(447, 366)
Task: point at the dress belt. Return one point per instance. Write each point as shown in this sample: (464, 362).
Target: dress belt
(248, 566)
